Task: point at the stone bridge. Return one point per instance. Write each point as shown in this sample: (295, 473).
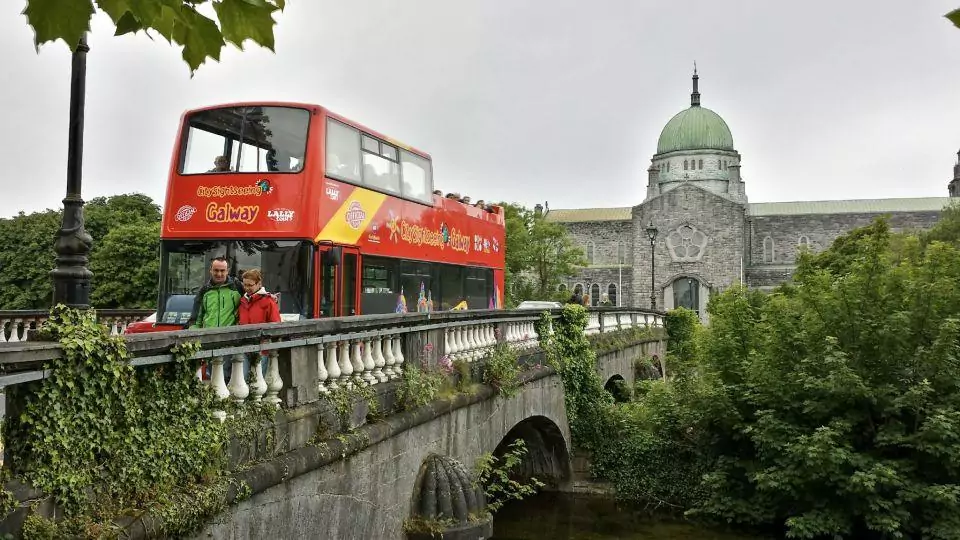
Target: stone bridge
(341, 473)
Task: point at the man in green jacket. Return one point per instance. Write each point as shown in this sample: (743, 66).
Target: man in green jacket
(217, 302)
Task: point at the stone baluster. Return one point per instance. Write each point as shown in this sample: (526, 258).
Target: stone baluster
(368, 364)
(389, 360)
(646, 320)
(357, 361)
(238, 384)
(321, 370)
(274, 382)
(3, 330)
(379, 362)
(477, 331)
(258, 385)
(472, 342)
(450, 342)
(346, 366)
(398, 354)
(488, 339)
(459, 333)
(333, 367)
(219, 385)
(15, 331)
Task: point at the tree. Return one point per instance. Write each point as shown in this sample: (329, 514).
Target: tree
(553, 256)
(539, 255)
(26, 258)
(177, 21)
(124, 257)
(126, 267)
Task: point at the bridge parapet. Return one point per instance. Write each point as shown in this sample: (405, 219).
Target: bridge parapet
(16, 324)
(306, 359)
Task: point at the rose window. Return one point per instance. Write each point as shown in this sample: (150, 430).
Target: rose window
(686, 243)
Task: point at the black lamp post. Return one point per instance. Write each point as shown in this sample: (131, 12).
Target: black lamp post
(652, 235)
(71, 278)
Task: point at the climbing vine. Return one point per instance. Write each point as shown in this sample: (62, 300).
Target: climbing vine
(100, 436)
(571, 354)
(494, 475)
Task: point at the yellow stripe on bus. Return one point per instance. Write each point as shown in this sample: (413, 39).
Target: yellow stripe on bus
(353, 217)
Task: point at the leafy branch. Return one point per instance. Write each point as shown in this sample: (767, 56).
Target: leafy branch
(177, 21)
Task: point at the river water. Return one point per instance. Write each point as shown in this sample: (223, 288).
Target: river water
(561, 516)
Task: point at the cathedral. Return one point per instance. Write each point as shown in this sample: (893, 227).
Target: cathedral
(696, 234)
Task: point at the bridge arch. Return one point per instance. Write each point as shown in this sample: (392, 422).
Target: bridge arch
(618, 387)
(547, 458)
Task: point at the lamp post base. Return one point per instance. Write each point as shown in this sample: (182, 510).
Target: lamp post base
(71, 277)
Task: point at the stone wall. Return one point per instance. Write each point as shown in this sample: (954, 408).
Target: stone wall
(369, 494)
(716, 266)
(819, 230)
(604, 236)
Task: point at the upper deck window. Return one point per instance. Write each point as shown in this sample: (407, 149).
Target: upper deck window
(368, 161)
(245, 139)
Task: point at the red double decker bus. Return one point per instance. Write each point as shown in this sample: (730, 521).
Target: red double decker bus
(340, 219)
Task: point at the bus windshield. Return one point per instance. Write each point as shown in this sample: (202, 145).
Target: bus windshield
(185, 265)
(245, 139)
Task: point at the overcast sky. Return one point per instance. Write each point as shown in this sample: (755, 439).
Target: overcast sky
(528, 101)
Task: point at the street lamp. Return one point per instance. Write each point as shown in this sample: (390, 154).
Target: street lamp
(71, 278)
(652, 235)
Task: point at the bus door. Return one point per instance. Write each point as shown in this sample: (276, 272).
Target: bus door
(326, 281)
(349, 297)
(338, 281)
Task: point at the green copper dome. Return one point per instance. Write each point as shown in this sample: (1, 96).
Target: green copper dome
(696, 128)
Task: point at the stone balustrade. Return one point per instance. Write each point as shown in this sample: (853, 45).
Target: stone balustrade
(15, 324)
(304, 360)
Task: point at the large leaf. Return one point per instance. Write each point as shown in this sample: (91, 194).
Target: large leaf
(246, 19)
(954, 17)
(200, 37)
(59, 19)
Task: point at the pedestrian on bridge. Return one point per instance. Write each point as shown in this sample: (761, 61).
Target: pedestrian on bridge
(257, 306)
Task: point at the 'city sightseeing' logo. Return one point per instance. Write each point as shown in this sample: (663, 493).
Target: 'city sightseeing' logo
(260, 187)
(355, 214)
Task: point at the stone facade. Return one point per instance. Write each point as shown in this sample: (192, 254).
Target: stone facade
(709, 236)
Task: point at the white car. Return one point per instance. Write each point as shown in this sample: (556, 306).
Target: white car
(539, 304)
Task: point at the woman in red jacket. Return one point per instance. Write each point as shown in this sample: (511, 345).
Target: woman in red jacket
(257, 305)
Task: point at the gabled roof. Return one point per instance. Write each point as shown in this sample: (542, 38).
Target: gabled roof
(576, 215)
(854, 206)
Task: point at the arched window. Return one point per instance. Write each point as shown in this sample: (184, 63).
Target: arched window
(594, 295)
(612, 294)
(686, 293)
(589, 249)
(562, 287)
(769, 255)
(700, 164)
(803, 243)
(684, 164)
(578, 289)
